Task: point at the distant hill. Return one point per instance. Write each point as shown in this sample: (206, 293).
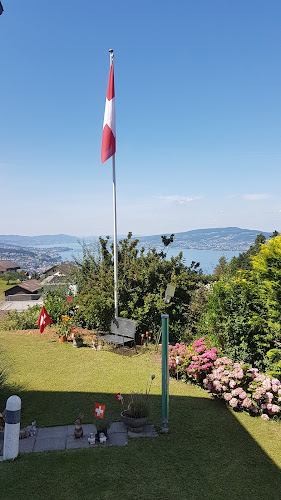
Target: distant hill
(223, 238)
(29, 241)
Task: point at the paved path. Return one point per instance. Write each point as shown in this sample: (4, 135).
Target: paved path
(19, 305)
(62, 438)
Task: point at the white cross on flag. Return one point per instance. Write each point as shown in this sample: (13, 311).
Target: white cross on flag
(44, 319)
(119, 397)
(108, 146)
(99, 410)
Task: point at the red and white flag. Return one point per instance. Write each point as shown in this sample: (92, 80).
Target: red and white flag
(99, 410)
(44, 319)
(119, 397)
(108, 146)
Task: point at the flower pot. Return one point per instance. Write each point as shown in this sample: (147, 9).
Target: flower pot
(62, 338)
(133, 424)
(77, 343)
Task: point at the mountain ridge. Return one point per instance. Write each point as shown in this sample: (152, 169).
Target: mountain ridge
(227, 238)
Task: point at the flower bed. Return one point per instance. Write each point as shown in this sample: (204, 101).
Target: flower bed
(241, 386)
(193, 362)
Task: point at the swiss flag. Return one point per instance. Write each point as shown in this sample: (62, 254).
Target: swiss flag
(119, 397)
(44, 319)
(108, 146)
(99, 410)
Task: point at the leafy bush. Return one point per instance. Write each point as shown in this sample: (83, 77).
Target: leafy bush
(55, 302)
(273, 363)
(143, 278)
(25, 320)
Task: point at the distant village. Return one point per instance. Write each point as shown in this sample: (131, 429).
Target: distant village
(32, 260)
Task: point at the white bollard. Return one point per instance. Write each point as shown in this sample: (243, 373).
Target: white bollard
(12, 428)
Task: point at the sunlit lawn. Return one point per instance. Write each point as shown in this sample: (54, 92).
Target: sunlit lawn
(4, 287)
(210, 452)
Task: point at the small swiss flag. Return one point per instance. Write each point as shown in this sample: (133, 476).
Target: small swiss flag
(99, 410)
(119, 397)
(44, 319)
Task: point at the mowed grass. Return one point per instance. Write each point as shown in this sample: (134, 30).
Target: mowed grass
(4, 287)
(210, 452)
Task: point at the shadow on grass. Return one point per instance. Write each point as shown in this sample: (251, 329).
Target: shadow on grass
(208, 454)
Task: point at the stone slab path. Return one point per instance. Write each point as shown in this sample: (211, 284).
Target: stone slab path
(62, 438)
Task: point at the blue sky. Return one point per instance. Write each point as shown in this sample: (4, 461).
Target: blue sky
(198, 115)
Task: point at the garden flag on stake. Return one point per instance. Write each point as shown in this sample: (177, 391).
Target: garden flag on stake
(119, 397)
(44, 319)
(108, 146)
(99, 410)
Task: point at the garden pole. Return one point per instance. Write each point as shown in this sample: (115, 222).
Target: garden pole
(115, 250)
(165, 372)
(12, 428)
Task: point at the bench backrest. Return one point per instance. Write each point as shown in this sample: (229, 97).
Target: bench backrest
(123, 326)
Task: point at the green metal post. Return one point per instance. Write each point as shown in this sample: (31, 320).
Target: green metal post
(165, 372)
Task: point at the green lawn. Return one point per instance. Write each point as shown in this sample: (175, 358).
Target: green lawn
(4, 287)
(210, 453)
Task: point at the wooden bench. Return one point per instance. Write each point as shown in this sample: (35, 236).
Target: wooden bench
(123, 330)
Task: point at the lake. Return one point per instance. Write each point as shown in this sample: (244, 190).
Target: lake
(208, 258)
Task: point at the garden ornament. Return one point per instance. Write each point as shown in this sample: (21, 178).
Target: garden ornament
(78, 429)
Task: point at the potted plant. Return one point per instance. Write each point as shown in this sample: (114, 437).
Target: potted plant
(77, 340)
(137, 412)
(63, 327)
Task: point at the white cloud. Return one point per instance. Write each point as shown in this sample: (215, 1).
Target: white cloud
(254, 197)
(179, 200)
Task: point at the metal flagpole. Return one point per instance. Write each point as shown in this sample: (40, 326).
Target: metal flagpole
(115, 251)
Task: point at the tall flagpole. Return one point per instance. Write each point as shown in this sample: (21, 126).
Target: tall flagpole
(115, 250)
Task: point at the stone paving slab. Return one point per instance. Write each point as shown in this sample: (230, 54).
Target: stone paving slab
(26, 445)
(62, 437)
(50, 444)
(51, 432)
(117, 427)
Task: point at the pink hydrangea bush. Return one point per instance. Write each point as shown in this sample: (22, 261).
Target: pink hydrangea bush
(244, 388)
(194, 362)
(266, 394)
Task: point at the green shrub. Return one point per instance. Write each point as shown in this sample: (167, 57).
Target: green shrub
(25, 320)
(273, 363)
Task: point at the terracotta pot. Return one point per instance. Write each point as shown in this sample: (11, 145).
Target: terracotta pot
(62, 338)
(134, 424)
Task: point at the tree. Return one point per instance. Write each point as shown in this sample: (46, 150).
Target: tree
(143, 278)
(274, 234)
(237, 317)
(243, 261)
(9, 276)
(267, 268)
(221, 268)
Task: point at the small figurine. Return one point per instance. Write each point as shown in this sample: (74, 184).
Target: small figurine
(103, 438)
(30, 430)
(92, 439)
(95, 344)
(78, 429)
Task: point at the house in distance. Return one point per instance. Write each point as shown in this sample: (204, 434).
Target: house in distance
(28, 290)
(7, 265)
